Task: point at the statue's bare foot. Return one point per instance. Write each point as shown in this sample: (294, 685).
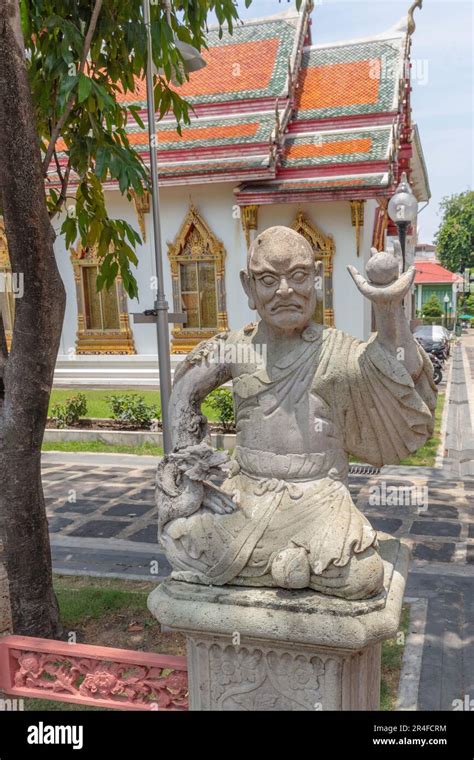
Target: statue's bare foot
(291, 569)
(361, 578)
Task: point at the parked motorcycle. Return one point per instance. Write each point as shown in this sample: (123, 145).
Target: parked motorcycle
(437, 368)
(440, 354)
(437, 357)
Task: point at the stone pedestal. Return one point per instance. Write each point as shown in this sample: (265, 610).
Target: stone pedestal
(273, 649)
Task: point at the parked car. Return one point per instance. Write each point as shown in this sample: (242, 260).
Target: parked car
(434, 339)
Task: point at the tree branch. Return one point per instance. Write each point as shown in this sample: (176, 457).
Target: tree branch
(64, 186)
(58, 165)
(72, 99)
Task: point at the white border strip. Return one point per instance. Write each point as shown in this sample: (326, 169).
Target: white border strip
(439, 459)
(407, 698)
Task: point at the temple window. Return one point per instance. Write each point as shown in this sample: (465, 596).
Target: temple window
(100, 308)
(103, 325)
(197, 268)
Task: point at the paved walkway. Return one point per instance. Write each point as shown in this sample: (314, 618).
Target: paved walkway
(103, 522)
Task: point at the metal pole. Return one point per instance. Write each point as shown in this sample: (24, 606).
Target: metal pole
(402, 236)
(161, 305)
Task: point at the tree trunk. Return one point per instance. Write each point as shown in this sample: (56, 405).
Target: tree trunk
(28, 369)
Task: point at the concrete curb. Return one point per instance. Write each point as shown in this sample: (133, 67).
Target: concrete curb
(407, 698)
(125, 437)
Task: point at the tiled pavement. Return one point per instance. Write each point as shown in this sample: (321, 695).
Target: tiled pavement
(107, 504)
(94, 501)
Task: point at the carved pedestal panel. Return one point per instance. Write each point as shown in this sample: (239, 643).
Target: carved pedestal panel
(275, 649)
(259, 676)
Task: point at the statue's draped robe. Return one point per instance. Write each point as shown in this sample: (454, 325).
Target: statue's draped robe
(302, 500)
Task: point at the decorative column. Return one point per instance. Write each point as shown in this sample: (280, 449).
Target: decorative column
(357, 218)
(380, 224)
(249, 218)
(142, 207)
(274, 649)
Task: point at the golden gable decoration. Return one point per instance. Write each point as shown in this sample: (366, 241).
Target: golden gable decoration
(324, 251)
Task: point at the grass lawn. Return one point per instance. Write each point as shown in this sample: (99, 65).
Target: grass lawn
(113, 612)
(146, 449)
(97, 400)
(392, 657)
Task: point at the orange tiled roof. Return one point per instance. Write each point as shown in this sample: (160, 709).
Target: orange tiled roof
(260, 100)
(345, 80)
(337, 84)
(335, 148)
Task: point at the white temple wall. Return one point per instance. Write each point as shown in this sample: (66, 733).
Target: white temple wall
(216, 203)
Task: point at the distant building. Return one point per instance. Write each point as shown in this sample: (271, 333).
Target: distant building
(433, 279)
(426, 252)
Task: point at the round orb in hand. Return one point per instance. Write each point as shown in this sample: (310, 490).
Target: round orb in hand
(382, 268)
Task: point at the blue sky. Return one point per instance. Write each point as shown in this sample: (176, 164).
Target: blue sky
(442, 52)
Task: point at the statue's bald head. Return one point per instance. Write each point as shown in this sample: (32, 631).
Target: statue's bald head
(280, 279)
(278, 243)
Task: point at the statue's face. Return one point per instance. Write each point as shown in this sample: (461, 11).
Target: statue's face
(281, 280)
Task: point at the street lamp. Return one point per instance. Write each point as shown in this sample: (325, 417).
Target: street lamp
(446, 301)
(192, 62)
(402, 209)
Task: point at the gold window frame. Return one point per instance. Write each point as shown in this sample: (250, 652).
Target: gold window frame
(206, 247)
(324, 250)
(113, 341)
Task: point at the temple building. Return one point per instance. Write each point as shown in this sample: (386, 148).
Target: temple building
(284, 131)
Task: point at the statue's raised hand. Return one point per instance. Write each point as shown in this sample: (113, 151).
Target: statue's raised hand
(383, 285)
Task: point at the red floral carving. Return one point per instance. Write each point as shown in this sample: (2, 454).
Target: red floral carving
(116, 682)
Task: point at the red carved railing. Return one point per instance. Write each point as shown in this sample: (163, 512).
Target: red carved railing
(88, 675)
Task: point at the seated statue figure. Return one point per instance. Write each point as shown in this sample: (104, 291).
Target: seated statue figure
(278, 512)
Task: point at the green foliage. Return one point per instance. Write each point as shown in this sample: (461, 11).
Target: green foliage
(222, 403)
(432, 307)
(467, 306)
(79, 68)
(133, 409)
(455, 236)
(70, 412)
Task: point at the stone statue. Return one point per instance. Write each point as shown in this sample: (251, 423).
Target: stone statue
(278, 512)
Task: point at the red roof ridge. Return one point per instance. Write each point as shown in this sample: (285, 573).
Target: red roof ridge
(432, 271)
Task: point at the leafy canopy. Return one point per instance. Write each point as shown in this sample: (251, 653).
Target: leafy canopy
(82, 56)
(455, 236)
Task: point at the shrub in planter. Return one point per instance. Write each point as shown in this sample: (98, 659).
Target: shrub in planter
(433, 307)
(132, 409)
(221, 402)
(69, 413)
